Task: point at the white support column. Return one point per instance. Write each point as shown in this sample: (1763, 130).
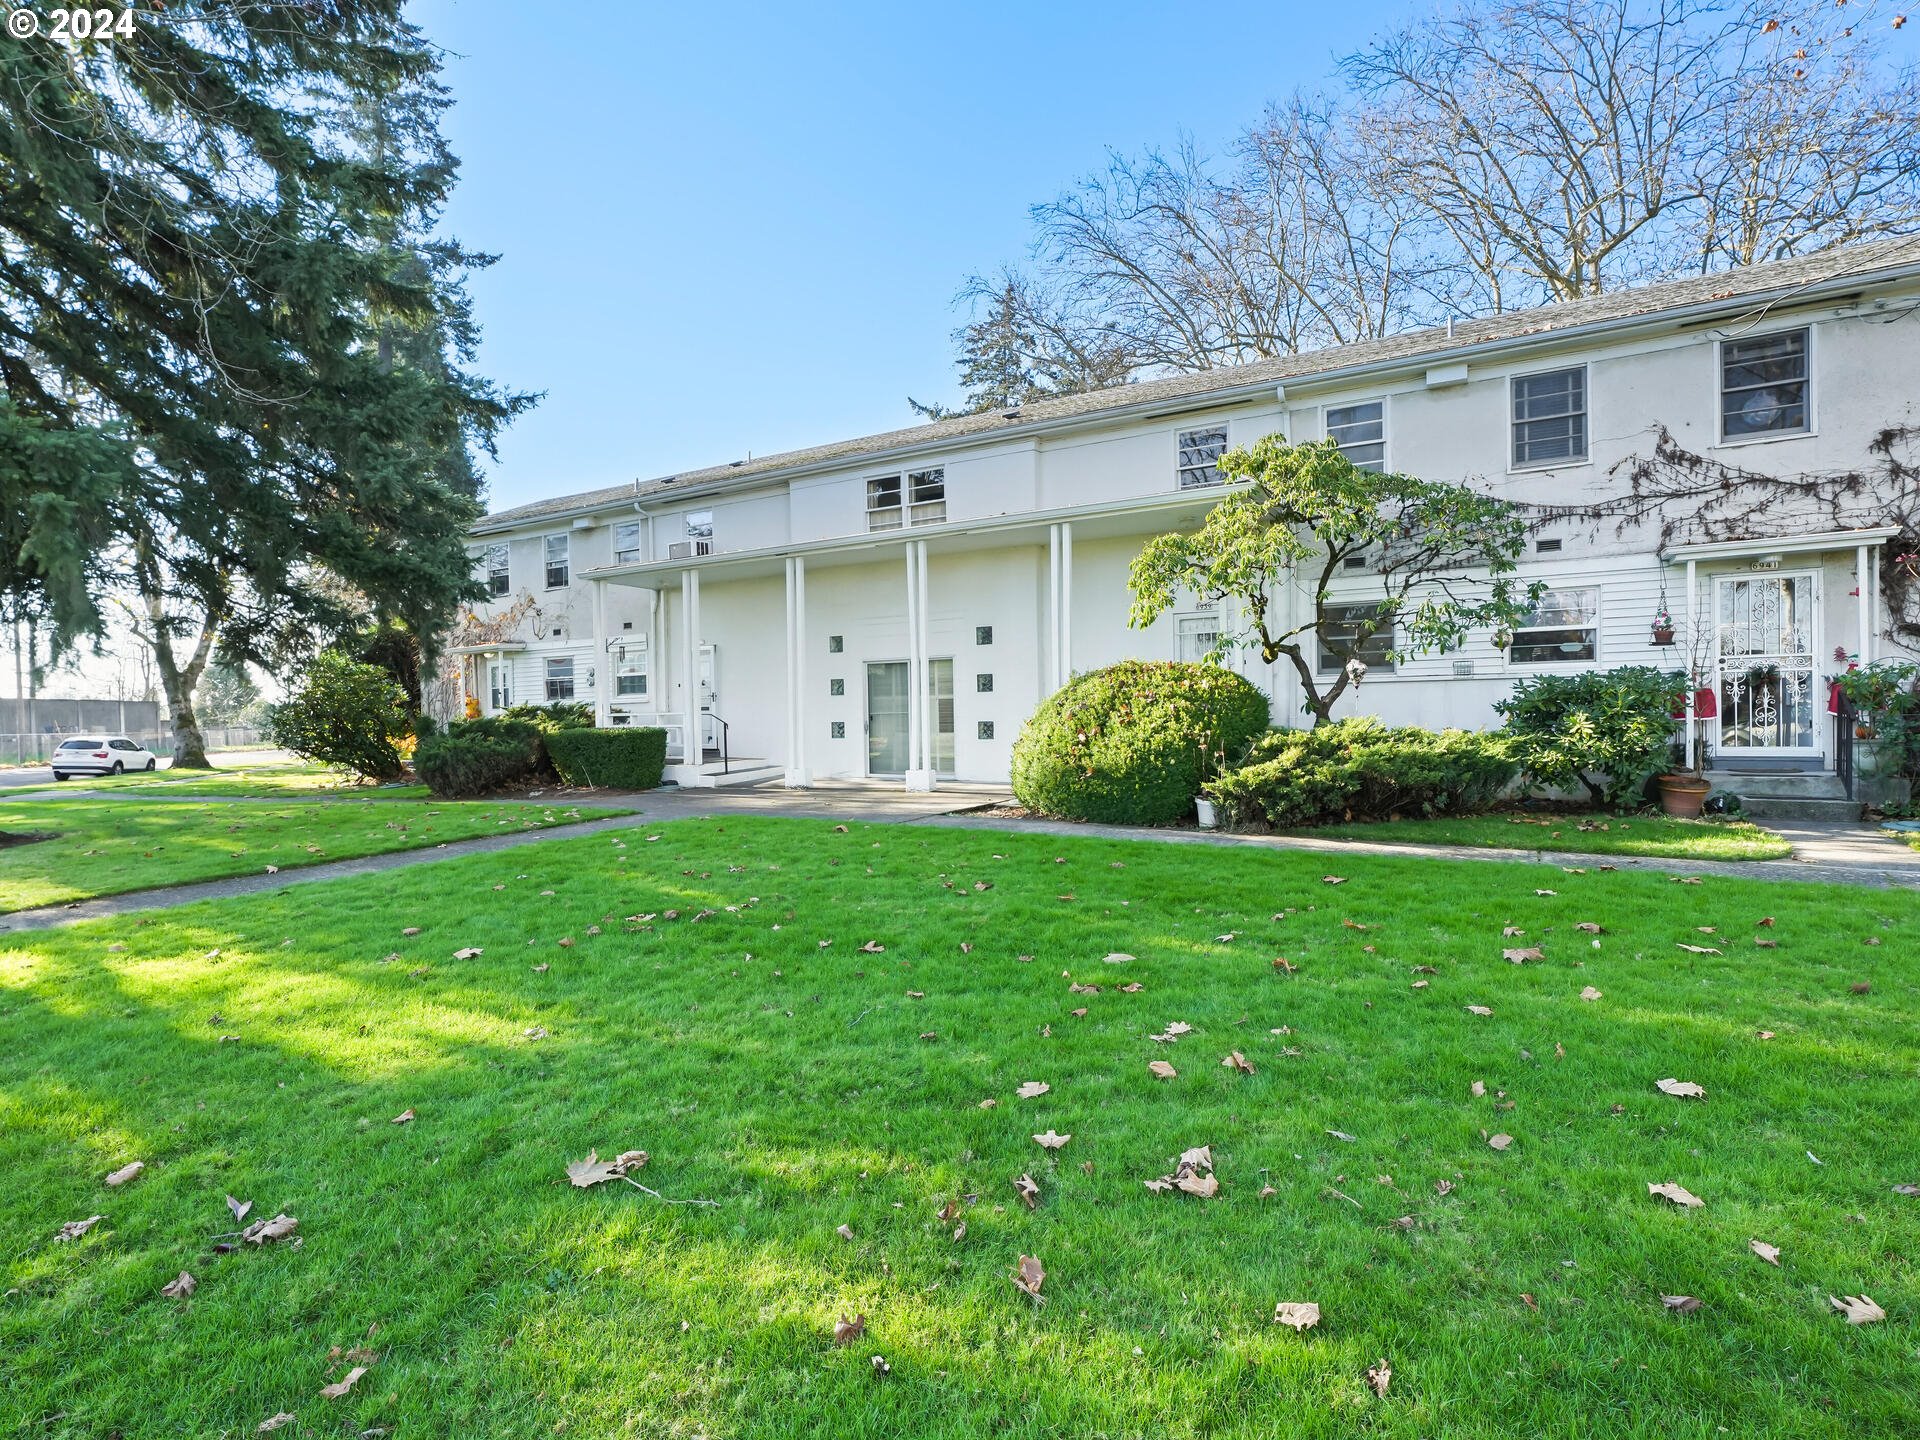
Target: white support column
(928, 719)
(1862, 569)
(1693, 648)
(1066, 602)
(603, 661)
(798, 777)
(690, 603)
(919, 772)
(656, 649)
(1053, 609)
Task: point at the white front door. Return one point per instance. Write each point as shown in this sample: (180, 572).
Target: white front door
(1764, 629)
(499, 685)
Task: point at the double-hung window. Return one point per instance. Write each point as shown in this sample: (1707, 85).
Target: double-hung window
(560, 677)
(626, 543)
(699, 525)
(1565, 625)
(558, 550)
(1340, 639)
(630, 670)
(1361, 433)
(1550, 417)
(1195, 636)
(1763, 385)
(497, 573)
(918, 497)
(1200, 452)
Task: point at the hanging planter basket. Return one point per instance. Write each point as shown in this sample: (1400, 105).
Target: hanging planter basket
(1662, 635)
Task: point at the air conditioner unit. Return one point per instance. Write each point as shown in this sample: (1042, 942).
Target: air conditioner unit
(680, 550)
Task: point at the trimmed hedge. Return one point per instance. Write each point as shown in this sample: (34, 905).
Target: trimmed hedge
(625, 759)
(1131, 744)
(1359, 769)
(473, 757)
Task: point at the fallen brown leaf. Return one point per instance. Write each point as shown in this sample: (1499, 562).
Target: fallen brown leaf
(262, 1231)
(1300, 1314)
(1500, 1142)
(847, 1331)
(469, 953)
(1028, 1191)
(1522, 955)
(1768, 1253)
(405, 1117)
(1667, 1190)
(1684, 1089)
(1030, 1275)
(1237, 1061)
(1333, 879)
(126, 1173)
(346, 1382)
(845, 1232)
(1051, 1140)
(1478, 1010)
(1680, 1304)
(1589, 993)
(178, 1288)
(1162, 1069)
(1859, 1309)
(595, 1171)
(74, 1229)
(1379, 1377)
(1032, 1088)
(273, 1422)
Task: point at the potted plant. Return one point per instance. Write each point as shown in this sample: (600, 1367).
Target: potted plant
(1662, 625)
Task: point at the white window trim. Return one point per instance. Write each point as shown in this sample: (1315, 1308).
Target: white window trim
(546, 563)
(1385, 402)
(1199, 612)
(1571, 666)
(1772, 437)
(486, 566)
(1225, 427)
(907, 503)
(547, 677)
(637, 646)
(1586, 389)
(637, 552)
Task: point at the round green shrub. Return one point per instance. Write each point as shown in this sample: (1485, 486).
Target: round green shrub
(1133, 743)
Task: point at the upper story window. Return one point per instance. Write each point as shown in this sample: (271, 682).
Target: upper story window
(1200, 452)
(1763, 385)
(1361, 433)
(559, 548)
(1565, 625)
(918, 497)
(1340, 642)
(626, 543)
(1550, 417)
(699, 525)
(496, 563)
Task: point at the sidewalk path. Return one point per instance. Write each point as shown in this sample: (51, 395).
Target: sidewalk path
(1824, 852)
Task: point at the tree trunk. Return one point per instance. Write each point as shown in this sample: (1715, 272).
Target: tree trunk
(189, 745)
(178, 682)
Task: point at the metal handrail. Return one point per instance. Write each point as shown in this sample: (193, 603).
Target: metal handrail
(1843, 722)
(726, 742)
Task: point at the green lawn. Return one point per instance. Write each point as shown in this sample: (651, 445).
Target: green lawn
(107, 847)
(1595, 834)
(262, 1050)
(295, 780)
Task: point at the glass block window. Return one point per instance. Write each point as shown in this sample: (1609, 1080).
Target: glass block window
(983, 684)
(837, 730)
(626, 543)
(835, 644)
(1339, 640)
(1763, 385)
(497, 573)
(836, 687)
(1550, 416)
(558, 549)
(1200, 452)
(1361, 433)
(985, 730)
(1564, 626)
(560, 678)
(983, 634)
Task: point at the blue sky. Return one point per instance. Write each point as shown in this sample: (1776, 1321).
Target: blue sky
(734, 229)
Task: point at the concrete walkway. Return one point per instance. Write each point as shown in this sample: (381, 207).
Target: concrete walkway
(1824, 852)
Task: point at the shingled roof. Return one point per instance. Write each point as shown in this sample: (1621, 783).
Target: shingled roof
(1754, 285)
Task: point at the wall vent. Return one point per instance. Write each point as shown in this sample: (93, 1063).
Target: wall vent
(1463, 669)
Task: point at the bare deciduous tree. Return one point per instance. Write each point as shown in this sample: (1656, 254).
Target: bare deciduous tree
(1500, 156)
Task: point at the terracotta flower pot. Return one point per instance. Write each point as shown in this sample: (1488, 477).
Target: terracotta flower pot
(1683, 796)
(1663, 637)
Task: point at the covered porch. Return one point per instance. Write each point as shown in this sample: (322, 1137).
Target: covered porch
(913, 662)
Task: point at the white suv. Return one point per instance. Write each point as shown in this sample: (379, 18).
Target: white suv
(100, 755)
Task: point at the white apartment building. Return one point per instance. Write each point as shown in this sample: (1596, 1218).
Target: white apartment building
(897, 605)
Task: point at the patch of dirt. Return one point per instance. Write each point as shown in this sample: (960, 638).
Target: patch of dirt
(10, 838)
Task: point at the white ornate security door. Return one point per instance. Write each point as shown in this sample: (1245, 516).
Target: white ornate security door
(1764, 635)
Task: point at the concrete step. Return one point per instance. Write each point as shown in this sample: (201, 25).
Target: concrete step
(1779, 784)
(743, 772)
(1789, 807)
